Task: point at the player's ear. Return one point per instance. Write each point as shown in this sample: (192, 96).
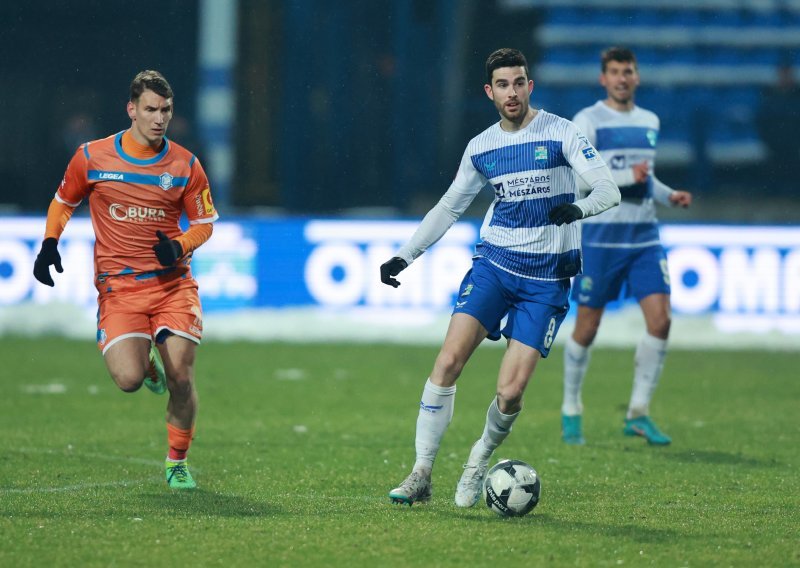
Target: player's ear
(488, 90)
(131, 108)
(530, 86)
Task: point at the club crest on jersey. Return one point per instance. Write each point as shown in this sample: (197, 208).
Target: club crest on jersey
(165, 181)
(540, 153)
(586, 284)
(652, 137)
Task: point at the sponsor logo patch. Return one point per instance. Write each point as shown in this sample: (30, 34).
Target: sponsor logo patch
(589, 153)
(134, 213)
(540, 153)
(208, 204)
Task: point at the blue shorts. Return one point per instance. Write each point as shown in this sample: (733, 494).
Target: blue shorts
(535, 308)
(616, 273)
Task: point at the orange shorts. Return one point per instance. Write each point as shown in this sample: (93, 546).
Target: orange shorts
(147, 311)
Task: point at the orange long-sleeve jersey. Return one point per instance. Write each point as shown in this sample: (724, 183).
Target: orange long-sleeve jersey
(133, 192)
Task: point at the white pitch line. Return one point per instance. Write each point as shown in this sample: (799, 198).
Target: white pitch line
(75, 487)
(72, 453)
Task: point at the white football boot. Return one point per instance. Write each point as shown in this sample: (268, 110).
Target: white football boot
(416, 488)
(470, 486)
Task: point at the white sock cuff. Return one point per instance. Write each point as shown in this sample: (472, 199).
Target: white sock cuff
(441, 391)
(575, 349)
(504, 419)
(654, 342)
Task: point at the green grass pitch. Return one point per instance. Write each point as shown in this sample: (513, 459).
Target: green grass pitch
(297, 446)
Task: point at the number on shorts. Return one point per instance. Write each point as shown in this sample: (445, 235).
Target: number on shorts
(664, 270)
(551, 333)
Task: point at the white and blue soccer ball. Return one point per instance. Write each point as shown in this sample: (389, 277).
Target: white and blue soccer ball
(512, 488)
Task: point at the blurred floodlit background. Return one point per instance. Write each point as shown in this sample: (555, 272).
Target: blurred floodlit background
(322, 124)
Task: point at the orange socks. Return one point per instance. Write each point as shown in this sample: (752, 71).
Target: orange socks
(179, 441)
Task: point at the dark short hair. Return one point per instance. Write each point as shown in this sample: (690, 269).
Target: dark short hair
(505, 57)
(151, 81)
(618, 54)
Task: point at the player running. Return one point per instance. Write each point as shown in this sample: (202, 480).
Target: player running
(621, 248)
(138, 183)
(522, 265)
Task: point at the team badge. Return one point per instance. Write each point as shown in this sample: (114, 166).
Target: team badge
(165, 181)
(540, 153)
(586, 283)
(652, 137)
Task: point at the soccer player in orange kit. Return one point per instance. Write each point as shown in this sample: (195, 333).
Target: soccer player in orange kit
(149, 321)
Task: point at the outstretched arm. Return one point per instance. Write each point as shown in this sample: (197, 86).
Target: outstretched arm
(604, 195)
(433, 226)
(673, 197)
(57, 216)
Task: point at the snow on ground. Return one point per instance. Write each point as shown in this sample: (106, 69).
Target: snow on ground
(357, 325)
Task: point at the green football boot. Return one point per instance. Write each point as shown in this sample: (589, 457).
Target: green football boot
(156, 378)
(572, 430)
(178, 476)
(646, 428)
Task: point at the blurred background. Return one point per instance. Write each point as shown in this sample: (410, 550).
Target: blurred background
(360, 110)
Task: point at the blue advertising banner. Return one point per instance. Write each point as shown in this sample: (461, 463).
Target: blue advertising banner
(747, 278)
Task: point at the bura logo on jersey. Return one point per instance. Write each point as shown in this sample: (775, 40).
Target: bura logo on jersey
(134, 213)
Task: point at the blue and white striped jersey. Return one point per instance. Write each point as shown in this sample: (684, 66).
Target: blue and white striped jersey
(532, 170)
(623, 140)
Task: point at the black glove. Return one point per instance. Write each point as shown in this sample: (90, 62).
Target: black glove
(390, 268)
(167, 251)
(47, 256)
(565, 213)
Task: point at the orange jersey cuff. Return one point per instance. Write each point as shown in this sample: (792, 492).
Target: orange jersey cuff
(195, 236)
(57, 216)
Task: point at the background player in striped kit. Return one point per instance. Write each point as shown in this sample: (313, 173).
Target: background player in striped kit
(621, 247)
(138, 185)
(522, 265)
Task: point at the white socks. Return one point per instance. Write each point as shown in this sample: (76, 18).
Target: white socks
(435, 413)
(576, 361)
(497, 429)
(649, 361)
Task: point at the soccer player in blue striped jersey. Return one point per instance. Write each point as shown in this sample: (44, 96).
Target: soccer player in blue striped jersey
(621, 248)
(529, 249)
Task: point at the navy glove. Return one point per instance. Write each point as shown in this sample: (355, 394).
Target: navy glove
(390, 268)
(565, 213)
(168, 251)
(47, 256)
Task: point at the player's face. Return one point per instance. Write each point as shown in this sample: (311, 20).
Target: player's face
(150, 116)
(620, 80)
(510, 91)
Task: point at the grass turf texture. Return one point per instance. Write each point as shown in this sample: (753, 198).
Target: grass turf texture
(297, 446)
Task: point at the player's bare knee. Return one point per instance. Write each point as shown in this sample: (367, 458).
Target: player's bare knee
(585, 331)
(180, 385)
(128, 381)
(659, 326)
(509, 397)
(449, 365)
